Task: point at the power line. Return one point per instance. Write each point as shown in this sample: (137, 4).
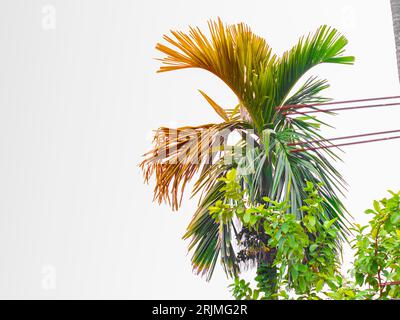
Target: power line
(343, 144)
(298, 106)
(293, 110)
(344, 108)
(342, 138)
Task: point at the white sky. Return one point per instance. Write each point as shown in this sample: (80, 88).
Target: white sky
(78, 103)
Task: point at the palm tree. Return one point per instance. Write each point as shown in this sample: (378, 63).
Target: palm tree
(395, 4)
(262, 81)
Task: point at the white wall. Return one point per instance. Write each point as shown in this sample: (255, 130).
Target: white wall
(78, 101)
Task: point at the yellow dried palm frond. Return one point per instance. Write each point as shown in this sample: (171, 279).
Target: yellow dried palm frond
(233, 53)
(217, 108)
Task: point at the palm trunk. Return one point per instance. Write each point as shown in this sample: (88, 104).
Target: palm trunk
(395, 4)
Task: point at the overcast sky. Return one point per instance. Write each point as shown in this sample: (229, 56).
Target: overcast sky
(79, 97)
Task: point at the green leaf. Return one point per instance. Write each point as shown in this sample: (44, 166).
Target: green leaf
(302, 284)
(312, 221)
(266, 199)
(292, 241)
(319, 285)
(253, 220)
(285, 227)
(377, 207)
(328, 224)
(231, 175)
(294, 273)
(359, 278)
(247, 217)
(373, 267)
(395, 218)
(256, 294)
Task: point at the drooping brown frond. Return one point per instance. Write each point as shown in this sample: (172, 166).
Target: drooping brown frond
(179, 153)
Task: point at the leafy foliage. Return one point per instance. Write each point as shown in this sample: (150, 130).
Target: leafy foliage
(378, 249)
(306, 257)
(304, 250)
(241, 290)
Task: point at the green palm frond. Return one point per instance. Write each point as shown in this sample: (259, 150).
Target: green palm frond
(326, 45)
(209, 238)
(309, 92)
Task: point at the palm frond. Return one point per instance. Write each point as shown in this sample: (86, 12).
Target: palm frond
(178, 154)
(326, 45)
(309, 92)
(217, 108)
(234, 54)
(209, 238)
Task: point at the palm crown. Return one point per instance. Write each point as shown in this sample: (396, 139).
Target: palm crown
(262, 81)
